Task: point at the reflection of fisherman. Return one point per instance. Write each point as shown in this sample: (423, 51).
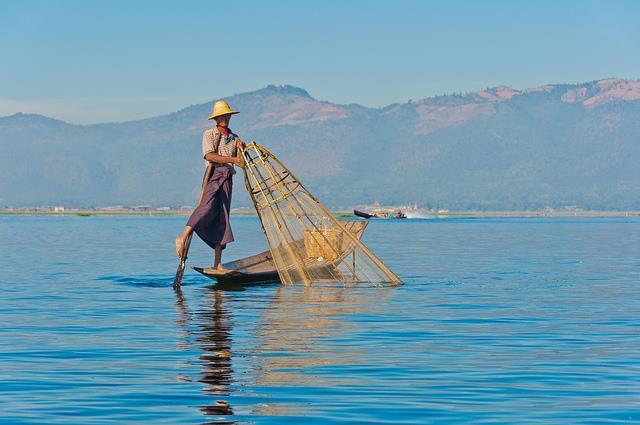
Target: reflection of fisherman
(214, 335)
(210, 219)
(216, 344)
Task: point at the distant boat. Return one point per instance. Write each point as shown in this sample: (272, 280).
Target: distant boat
(380, 213)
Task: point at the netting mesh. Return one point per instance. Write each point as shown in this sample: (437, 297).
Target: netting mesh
(306, 241)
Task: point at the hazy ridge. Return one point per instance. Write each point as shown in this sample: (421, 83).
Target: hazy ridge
(499, 148)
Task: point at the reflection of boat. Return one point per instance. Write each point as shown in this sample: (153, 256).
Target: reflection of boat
(302, 335)
(380, 213)
(260, 268)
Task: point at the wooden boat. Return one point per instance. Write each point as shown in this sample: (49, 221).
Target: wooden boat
(260, 269)
(255, 269)
(380, 214)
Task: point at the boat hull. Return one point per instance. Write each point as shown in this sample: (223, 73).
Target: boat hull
(376, 215)
(362, 214)
(260, 269)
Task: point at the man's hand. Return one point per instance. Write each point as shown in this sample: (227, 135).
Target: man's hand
(238, 160)
(240, 144)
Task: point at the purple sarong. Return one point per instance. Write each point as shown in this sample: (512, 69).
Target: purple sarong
(210, 219)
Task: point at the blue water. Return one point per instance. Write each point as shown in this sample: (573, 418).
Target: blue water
(499, 321)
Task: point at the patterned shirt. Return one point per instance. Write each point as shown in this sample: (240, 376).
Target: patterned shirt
(226, 147)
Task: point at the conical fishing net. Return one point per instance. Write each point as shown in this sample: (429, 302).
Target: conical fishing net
(306, 241)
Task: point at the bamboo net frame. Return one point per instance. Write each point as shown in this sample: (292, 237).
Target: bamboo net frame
(307, 243)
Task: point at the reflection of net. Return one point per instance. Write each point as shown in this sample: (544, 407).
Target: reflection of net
(306, 242)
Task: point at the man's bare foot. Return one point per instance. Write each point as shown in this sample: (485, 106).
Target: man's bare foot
(179, 246)
(216, 269)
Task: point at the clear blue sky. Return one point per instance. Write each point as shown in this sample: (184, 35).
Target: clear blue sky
(93, 61)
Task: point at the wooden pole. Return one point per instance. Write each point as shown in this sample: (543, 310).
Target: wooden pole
(250, 167)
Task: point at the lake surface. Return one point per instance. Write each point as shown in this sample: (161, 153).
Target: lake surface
(499, 321)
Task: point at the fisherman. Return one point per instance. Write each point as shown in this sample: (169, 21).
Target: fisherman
(210, 219)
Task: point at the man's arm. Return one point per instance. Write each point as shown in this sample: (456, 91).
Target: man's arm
(219, 159)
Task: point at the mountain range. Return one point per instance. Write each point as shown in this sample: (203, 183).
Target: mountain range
(557, 145)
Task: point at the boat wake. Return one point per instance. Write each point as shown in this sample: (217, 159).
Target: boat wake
(149, 280)
(415, 212)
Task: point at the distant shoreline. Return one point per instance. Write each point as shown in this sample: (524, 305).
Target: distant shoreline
(339, 213)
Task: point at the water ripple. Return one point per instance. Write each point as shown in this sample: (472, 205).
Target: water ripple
(500, 321)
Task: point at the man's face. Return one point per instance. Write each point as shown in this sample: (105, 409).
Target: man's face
(223, 120)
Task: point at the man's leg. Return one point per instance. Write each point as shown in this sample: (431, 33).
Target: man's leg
(217, 259)
(180, 240)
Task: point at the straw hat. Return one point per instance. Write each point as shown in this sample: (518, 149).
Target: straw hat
(221, 108)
